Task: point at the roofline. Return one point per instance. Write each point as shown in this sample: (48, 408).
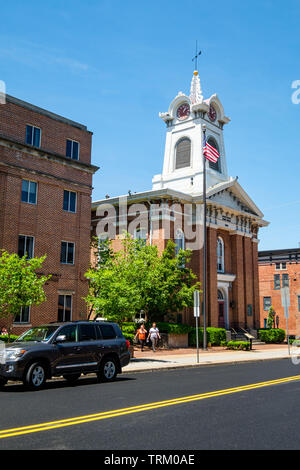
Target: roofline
(145, 195)
(45, 112)
(278, 251)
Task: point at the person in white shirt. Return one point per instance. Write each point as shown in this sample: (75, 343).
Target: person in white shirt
(154, 336)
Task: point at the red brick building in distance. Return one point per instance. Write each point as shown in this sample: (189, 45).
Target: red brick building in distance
(277, 269)
(45, 204)
(172, 210)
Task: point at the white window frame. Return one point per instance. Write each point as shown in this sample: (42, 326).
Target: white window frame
(34, 127)
(220, 258)
(73, 243)
(64, 296)
(179, 241)
(68, 210)
(36, 198)
(72, 141)
(33, 243)
(23, 322)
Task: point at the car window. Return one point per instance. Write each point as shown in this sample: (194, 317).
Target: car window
(87, 333)
(69, 331)
(107, 332)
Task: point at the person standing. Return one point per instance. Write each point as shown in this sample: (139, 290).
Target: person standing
(141, 334)
(154, 336)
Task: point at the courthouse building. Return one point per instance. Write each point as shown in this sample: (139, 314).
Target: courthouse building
(45, 204)
(172, 210)
(277, 269)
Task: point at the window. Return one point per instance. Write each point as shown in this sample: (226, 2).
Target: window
(179, 241)
(267, 303)
(183, 153)
(25, 246)
(220, 255)
(67, 253)
(72, 149)
(214, 166)
(87, 333)
(277, 281)
(33, 136)
(107, 331)
(23, 316)
(280, 266)
(29, 192)
(69, 204)
(64, 308)
(141, 235)
(285, 280)
(70, 332)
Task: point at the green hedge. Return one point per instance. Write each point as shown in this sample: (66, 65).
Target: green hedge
(237, 345)
(5, 338)
(273, 335)
(214, 336)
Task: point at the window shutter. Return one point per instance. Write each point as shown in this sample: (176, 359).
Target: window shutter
(214, 166)
(183, 154)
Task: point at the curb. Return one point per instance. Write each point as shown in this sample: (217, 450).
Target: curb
(203, 364)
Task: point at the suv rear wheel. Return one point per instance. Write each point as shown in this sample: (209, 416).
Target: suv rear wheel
(35, 376)
(71, 378)
(108, 370)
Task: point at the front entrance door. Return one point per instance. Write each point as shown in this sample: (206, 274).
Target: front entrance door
(221, 317)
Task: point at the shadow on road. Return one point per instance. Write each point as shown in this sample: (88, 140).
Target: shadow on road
(61, 383)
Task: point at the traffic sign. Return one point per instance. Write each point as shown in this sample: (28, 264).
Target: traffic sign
(285, 297)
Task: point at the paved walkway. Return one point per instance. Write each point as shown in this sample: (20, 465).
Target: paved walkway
(166, 359)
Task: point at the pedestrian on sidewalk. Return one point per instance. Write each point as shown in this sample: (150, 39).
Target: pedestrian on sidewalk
(154, 336)
(141, 334)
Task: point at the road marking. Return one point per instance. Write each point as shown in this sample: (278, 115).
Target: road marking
(137, 409)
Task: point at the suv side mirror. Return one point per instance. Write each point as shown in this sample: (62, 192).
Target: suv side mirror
(60, 338)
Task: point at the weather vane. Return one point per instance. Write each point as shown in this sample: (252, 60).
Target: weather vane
(197, 54)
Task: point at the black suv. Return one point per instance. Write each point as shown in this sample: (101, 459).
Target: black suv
(65, 349)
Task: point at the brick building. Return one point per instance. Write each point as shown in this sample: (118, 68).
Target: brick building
(277, 269)
(45, 200)
(173, 210)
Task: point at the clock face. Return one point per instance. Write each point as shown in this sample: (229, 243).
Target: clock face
(212, 114)
(183, 111)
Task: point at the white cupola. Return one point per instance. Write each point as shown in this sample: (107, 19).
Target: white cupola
(183, 159)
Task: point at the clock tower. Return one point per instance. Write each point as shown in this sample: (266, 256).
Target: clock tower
(183, 159)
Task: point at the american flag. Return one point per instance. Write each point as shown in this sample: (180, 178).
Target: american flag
(210, 152)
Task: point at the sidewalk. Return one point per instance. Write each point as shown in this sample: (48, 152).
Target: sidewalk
(148, 361)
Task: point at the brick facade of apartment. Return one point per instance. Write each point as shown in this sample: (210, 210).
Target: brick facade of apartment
(58, 190)
(277, 269)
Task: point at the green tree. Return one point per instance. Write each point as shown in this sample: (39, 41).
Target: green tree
(137, 278)
(20, 285)
(271, 318)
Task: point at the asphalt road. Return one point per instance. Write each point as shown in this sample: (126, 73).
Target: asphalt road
(257, 417)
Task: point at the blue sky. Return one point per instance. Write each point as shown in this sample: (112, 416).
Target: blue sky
(114, 65)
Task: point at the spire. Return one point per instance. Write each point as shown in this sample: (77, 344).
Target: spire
(196, 92)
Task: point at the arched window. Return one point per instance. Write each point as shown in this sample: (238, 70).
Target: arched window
(220, 295)
(214, 166)
(179, 240)
(183, 153)
(220, 255)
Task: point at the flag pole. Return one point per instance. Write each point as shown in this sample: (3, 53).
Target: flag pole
(204, 246)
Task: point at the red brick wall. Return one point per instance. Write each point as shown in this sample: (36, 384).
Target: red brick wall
(46, 220)
(266, 289)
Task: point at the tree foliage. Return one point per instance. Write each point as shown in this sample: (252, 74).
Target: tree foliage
(271, 318)
(135, 278)
(20, 285)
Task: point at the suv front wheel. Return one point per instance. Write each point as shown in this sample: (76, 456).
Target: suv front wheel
(108, 370)
(35, 376)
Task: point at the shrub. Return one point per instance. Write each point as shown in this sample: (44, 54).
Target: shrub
(272, 336)
(238, 345)
(214, 336)
(5, 338)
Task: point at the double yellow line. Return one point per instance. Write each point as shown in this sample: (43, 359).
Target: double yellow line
(137, 409)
